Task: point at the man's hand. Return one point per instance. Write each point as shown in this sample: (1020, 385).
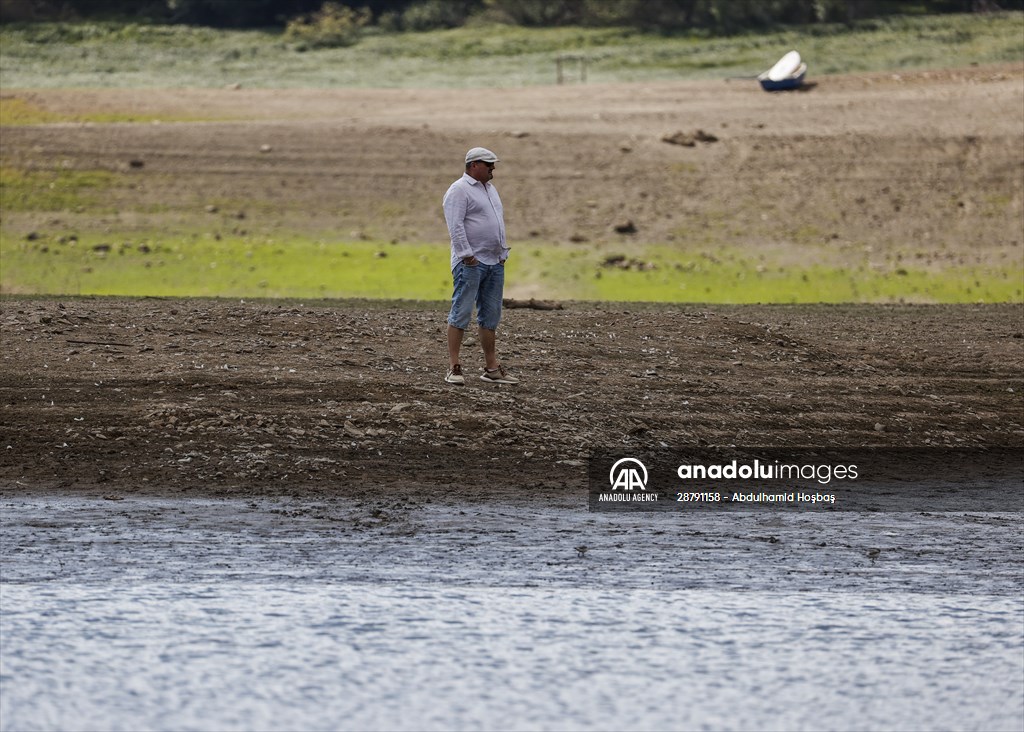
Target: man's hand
(470, 260)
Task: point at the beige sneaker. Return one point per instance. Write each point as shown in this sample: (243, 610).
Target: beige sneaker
(498, 376)
(454, 375)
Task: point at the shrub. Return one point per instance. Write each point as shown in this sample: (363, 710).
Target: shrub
(223, 13)
(334, 25)
(431, 14)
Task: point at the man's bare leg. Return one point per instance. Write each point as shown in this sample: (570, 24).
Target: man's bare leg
(487, 340)
(454, 343)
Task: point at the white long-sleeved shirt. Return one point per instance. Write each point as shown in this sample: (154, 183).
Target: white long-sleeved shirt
(476, 221)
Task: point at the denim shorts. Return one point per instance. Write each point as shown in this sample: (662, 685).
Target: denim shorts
(479, 284)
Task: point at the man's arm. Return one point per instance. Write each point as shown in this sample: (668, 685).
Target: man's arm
(505, 248)
(455, 204)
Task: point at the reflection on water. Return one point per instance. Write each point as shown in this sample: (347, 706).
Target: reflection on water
(283, 650)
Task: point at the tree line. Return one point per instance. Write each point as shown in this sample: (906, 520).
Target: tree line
(397, 15)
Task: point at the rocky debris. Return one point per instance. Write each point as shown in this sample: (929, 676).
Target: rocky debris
(621, 261)
(532, 304)
(625, 226)
(689, 139)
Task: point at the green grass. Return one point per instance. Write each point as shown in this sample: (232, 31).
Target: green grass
(139, 56)
(34, 190)
(203, 265)
(14, 111)
(744, 282)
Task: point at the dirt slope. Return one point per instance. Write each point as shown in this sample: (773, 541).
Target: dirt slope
(926, 164)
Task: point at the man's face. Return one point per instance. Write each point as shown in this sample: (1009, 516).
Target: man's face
(482, 171)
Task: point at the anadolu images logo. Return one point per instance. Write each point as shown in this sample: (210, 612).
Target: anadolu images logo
(628, 474)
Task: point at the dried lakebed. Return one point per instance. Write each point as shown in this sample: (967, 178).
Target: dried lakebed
(323, 535)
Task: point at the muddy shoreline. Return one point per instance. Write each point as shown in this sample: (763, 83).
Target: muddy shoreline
(218, 397)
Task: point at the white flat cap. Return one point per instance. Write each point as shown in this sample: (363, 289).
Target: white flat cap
(481, 153)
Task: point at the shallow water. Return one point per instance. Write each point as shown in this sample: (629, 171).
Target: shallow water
(291, 614)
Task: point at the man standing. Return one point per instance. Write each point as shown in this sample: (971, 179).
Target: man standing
(476, 224)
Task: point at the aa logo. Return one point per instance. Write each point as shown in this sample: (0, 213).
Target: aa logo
(628, 474)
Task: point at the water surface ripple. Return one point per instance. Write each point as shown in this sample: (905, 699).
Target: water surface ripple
(272, 614)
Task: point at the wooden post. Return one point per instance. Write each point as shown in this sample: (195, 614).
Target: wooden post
(564, 58)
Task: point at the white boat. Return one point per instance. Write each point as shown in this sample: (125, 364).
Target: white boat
(787, 73)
